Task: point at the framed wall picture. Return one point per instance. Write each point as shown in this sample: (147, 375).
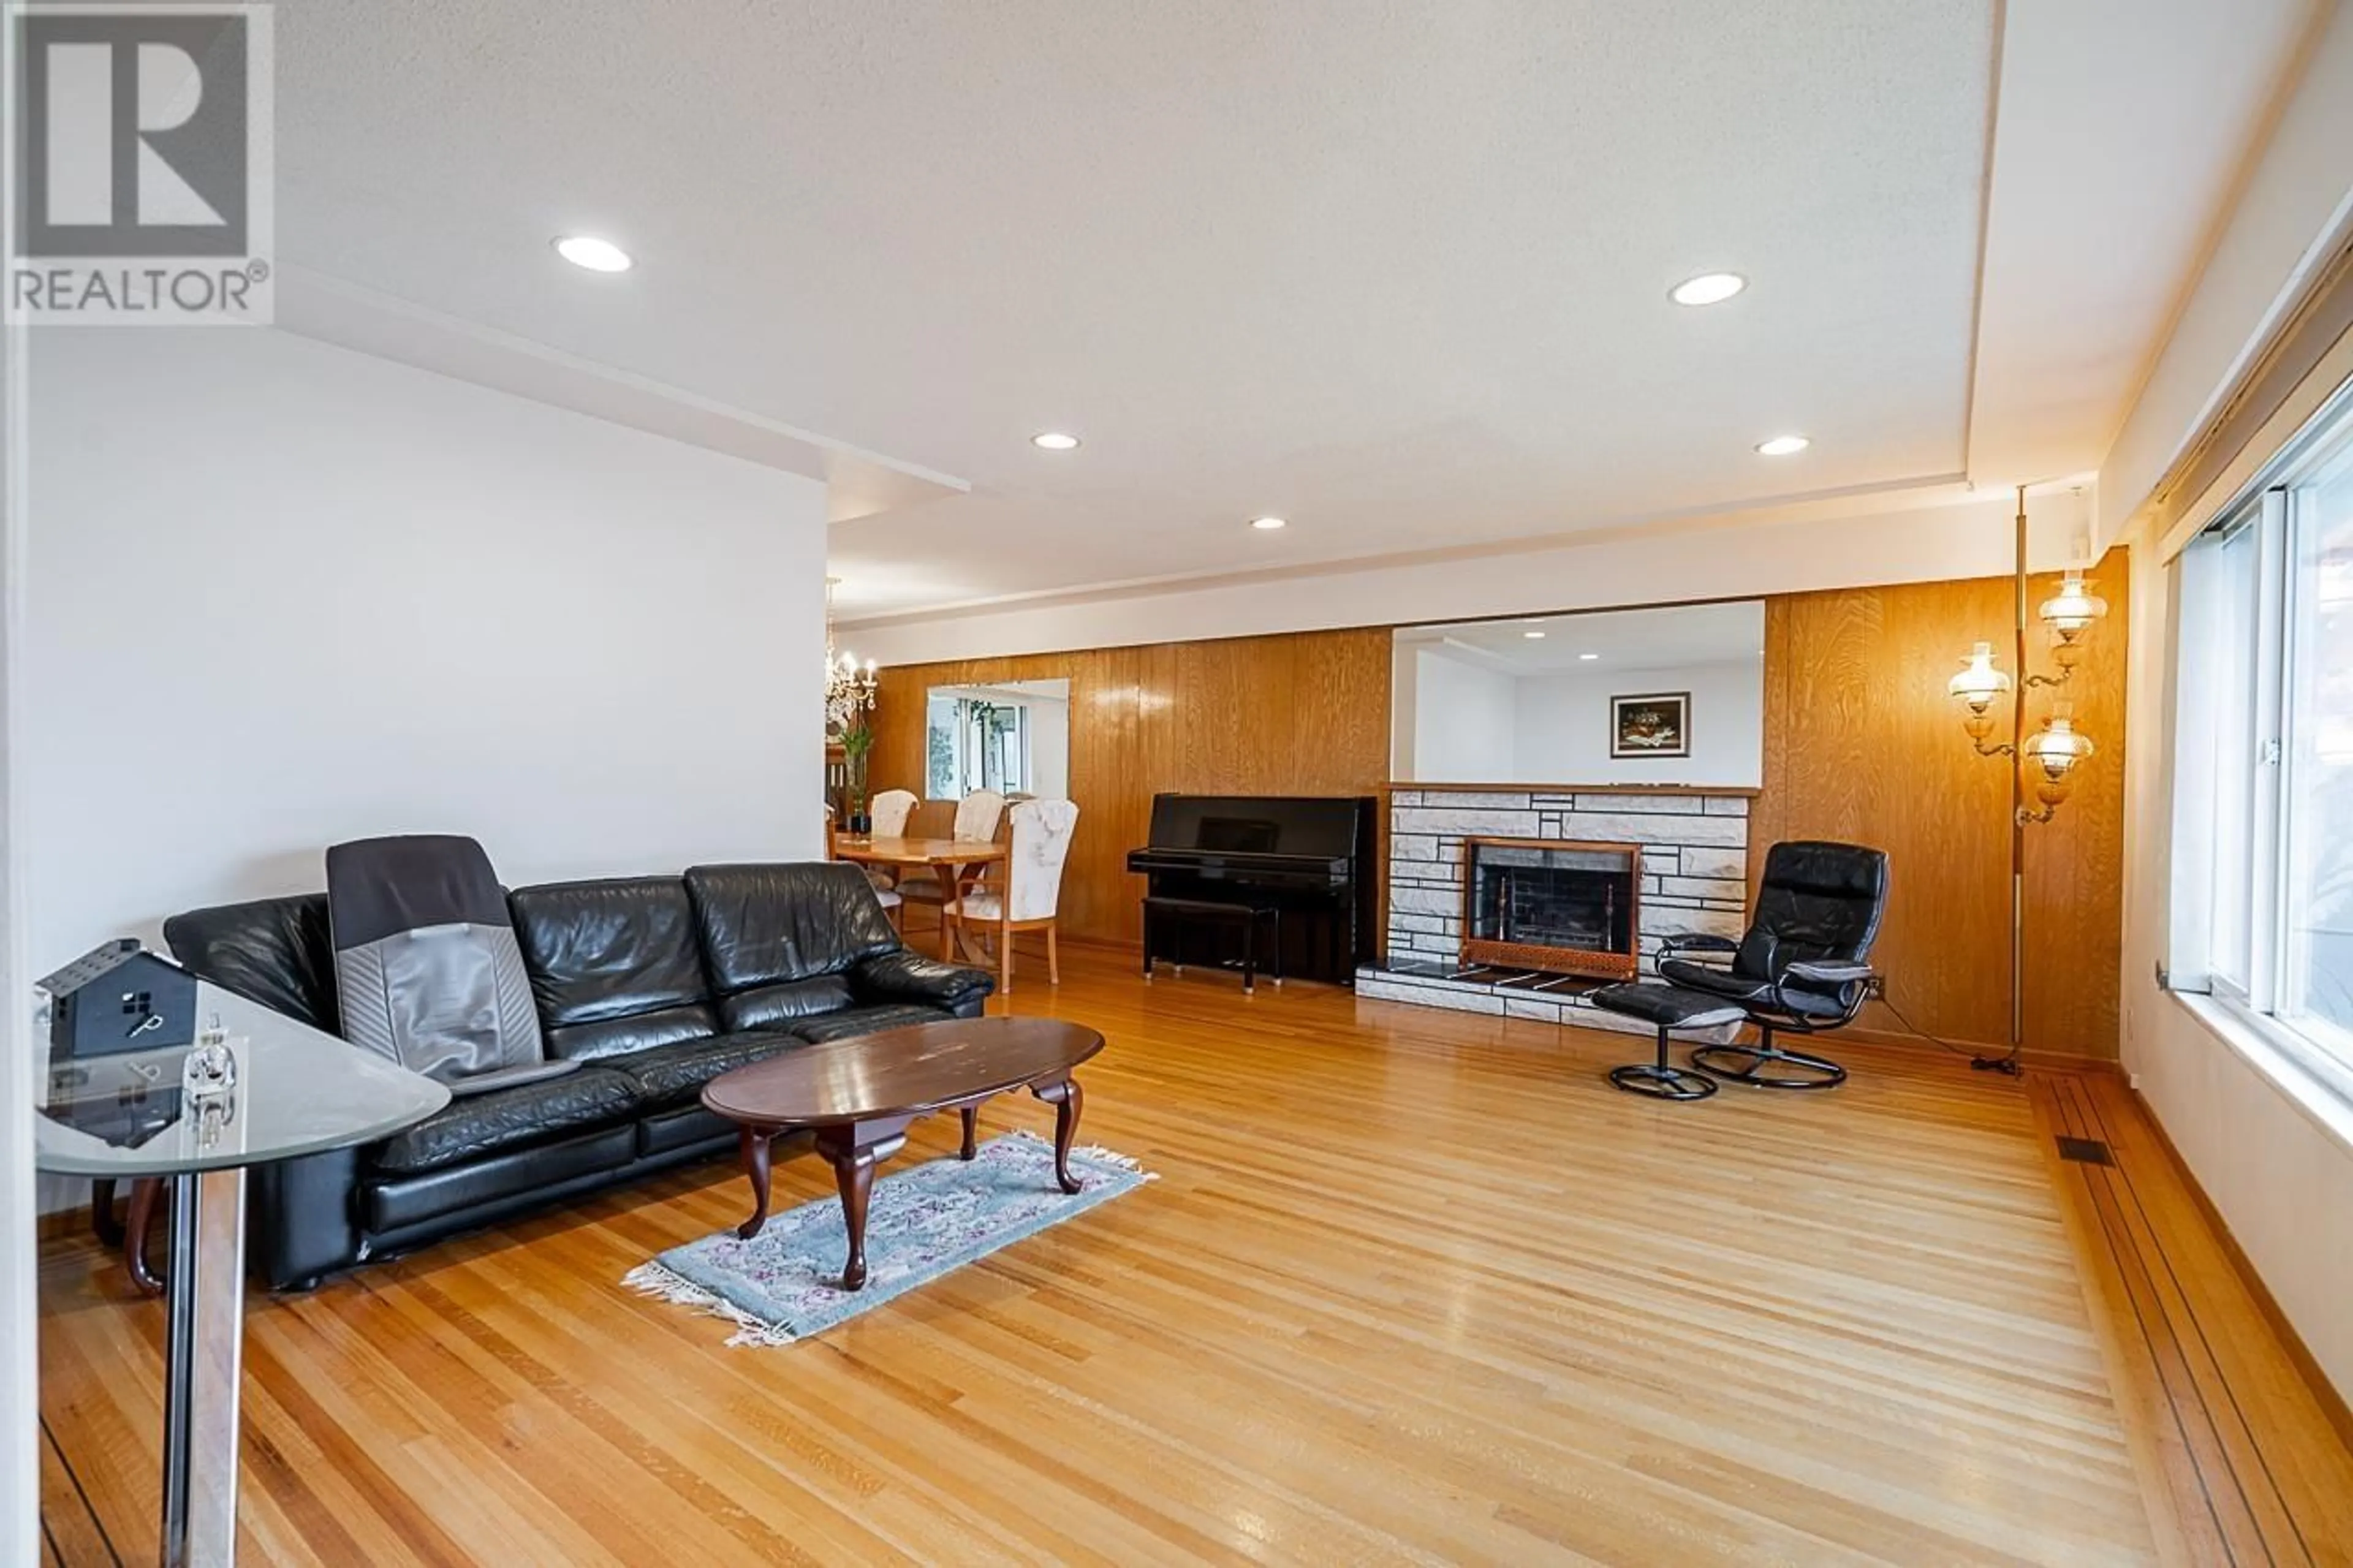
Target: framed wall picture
(1655, 725)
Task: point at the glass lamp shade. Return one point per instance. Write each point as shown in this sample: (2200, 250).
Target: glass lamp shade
(2056, 748)
(2072, 610)
(1979, 683)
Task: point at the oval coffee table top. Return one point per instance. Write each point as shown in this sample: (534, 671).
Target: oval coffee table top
(900, 1072)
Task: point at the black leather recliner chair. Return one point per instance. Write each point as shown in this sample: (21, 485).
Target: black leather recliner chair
(657, 983)
(1801, 968)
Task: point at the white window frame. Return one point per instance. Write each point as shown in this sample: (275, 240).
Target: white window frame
(2267, 733)
(2280, 512)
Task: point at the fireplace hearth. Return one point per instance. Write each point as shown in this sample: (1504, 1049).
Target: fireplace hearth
(1555, 905)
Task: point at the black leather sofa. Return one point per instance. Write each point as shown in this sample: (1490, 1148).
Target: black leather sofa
(657, 984)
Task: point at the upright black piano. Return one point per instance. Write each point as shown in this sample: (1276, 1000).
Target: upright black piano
(1309, 856)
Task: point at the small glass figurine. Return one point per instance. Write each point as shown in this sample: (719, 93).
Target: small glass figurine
(211, 1067)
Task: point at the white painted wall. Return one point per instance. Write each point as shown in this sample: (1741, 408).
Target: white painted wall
(2276, 1159)
(1463, 719)
(1404, 710)
(2271, 1153)
(282, 594)
(1563, 723)
(1050, 748)
(20, 1433)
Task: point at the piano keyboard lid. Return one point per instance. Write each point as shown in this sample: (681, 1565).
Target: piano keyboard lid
(1324, 827)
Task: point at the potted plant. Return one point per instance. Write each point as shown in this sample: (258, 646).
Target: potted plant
(857, 740)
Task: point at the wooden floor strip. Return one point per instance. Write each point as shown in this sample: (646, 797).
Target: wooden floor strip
(72, 1534)
(1414, 1287)
(2250, 1466)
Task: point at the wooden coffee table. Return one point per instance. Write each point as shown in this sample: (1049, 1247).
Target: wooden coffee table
(858, 1096)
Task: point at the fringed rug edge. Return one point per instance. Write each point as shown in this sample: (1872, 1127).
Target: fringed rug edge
(751, 1328)
(655, 1279)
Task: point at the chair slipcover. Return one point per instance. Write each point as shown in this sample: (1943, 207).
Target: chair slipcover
(1041, 835)
(978, 813)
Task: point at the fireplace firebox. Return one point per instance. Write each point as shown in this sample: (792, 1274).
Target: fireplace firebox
(1562, 908)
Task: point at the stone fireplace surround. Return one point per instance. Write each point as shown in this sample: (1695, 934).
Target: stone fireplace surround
(1695, 878)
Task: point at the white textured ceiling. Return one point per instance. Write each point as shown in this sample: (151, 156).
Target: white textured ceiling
(1397, 272)
(2123, 124)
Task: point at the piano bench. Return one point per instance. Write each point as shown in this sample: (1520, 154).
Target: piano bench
(1182, 912)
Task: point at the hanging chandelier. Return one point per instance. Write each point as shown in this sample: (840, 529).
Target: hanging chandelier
(850, 689)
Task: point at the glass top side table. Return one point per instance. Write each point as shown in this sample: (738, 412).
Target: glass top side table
(296, 1090)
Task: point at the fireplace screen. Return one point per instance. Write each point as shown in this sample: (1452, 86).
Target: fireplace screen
(1567, 909)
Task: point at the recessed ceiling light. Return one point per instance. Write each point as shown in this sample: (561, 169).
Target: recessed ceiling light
(1269, 523)
(1707, 288)
(1783, 445)
(595, 255)
(1054, 441)
(1533, 637)
(1589, 656)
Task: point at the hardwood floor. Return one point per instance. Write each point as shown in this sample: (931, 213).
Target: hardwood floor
(1414, 1287)
(2248, 1471)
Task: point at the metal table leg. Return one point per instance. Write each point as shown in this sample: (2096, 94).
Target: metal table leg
(202, 1348)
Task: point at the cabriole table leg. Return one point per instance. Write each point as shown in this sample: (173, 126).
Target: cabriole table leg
(854, 1173)
(752, 1143)
(1064, 1096)
(854, 1149)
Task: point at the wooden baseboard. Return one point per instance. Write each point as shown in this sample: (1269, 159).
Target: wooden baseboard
(2332, 1402)
(74, 1221)
(1102, 944)
(1133, 953)
(2052, 1061)
(2049, 1061)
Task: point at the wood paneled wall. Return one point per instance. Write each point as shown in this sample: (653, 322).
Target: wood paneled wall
(1861, 743)
(1296, 714)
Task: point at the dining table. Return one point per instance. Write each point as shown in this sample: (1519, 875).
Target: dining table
(950, 859)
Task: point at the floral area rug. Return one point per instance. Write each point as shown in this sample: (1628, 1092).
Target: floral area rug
(783, 1284)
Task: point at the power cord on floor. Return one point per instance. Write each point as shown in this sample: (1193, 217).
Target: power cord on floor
(2007, 1064)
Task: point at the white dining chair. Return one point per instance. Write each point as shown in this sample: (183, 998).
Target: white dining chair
(1023, 891)
(978, 813)
(888, 814)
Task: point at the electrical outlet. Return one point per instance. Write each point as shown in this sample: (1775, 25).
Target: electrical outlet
(1876, 988)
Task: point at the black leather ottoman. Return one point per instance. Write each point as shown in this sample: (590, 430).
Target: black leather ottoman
(1666, 1007)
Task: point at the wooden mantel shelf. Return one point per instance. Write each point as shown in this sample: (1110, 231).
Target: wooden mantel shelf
(1747, 792)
